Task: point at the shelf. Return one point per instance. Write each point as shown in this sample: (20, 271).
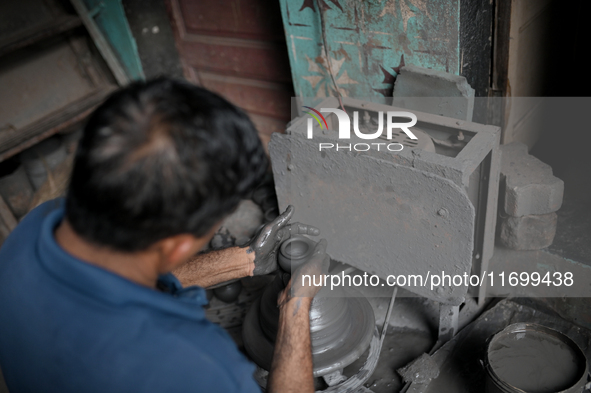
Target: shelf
(13, 141)
(32, 35)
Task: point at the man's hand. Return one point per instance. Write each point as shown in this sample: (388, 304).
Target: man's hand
(266, 243)
(292, 368)
(315, 268)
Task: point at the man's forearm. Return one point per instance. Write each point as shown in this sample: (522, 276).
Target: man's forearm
(291, 370)
(215, 267)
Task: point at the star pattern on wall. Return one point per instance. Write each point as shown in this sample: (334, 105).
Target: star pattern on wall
(321, 81)
(390, 78)
(392, 6)
(321, 3)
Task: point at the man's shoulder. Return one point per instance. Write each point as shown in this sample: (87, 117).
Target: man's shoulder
(206, 359)
(41, 211)
(28, 229)
(170, 354)
(143, 340)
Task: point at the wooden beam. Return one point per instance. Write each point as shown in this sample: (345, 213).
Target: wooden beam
(101, 43)
(6, 215)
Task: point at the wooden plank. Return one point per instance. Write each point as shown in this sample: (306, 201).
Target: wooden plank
(30, 36)
(101, 43)
(6, 215)
(237, 49)
(254, 19)
(263, 98)
(243, 58)
(14, 141)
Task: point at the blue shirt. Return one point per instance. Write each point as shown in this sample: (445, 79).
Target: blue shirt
(69, 326)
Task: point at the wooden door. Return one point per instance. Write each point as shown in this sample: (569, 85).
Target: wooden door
(237, 49)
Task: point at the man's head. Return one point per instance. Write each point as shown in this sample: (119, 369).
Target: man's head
(159, 159)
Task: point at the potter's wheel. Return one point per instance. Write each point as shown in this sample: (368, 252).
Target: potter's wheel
(329, 353)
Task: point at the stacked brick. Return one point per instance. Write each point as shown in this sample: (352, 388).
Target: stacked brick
(530, 197)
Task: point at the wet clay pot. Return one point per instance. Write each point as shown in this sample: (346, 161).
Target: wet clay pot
(341, 328)
(294, 252)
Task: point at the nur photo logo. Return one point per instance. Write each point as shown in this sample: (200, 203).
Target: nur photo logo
(392, 120)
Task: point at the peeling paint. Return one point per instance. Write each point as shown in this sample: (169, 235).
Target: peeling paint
(371, 34)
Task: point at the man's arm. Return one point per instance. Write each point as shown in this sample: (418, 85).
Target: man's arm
(256, 258)
(292, 370)
(215, 267)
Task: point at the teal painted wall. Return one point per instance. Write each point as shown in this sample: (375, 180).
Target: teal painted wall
(367, 43)
(112, 22)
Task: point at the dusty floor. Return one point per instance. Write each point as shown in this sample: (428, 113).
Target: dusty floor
(400, 347)
(412, 331)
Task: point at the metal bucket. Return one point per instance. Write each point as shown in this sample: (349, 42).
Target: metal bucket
(530, 358)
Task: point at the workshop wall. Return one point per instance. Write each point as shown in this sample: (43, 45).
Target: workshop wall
(367, 42)
(152, 31)
(237, 49)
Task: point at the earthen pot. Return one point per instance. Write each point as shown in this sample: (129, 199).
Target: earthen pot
(228, 293)
(294, 252)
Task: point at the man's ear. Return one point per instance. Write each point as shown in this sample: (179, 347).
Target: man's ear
(178, 249)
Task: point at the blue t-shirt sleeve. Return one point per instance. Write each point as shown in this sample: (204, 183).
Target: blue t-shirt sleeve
(197, 371)
(206, 361)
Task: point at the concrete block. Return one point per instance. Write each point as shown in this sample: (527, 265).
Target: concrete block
(436, 92)
(530, 187)
(532, 232)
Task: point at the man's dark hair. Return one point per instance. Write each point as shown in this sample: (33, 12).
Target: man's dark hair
(159, 159)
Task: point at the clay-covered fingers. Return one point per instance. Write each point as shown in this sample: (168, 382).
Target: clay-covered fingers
(308, 278)
(318, 262)
(298, 228)
(282, 220)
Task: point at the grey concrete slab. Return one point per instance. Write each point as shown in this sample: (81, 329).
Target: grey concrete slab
(530, 186)
(437, 92)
